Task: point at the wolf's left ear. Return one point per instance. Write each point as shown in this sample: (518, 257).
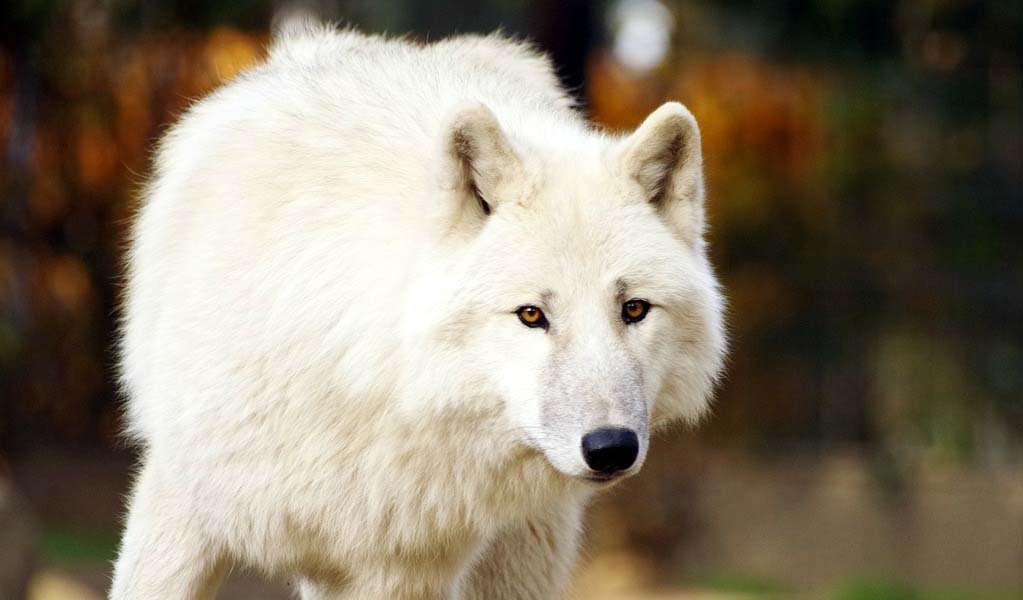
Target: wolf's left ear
(664, 157)
(483, 165)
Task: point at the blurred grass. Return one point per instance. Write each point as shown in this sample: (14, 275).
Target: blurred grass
(68, 547)
(883, 590)
(740, 584)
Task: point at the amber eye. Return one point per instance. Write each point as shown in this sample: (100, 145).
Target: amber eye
(532, 316)
(634, 311)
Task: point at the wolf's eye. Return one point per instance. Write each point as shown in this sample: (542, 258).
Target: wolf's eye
(532, 316)
(634, 311)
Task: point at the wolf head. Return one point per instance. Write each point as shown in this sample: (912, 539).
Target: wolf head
(582, 299)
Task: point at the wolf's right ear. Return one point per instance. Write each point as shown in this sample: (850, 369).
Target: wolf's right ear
(482, 163)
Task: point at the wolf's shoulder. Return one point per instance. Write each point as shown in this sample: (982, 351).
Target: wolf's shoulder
(510, 58)
(307, 41)
(485, 66)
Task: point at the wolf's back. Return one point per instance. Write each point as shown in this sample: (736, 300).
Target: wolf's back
(288, 195)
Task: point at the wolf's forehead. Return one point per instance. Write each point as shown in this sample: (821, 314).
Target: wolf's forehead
(591, 243)
(589, 219)
(580, 225)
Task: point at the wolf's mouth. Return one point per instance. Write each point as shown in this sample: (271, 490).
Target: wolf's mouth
(598, 478)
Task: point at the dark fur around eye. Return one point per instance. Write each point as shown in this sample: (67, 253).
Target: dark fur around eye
(532, 316)
(635, 311)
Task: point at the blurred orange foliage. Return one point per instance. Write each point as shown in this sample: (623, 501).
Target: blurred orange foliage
(762, 123)
(83, 148)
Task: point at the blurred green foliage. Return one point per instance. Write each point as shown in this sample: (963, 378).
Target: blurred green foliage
(880, 590)
(69, 547)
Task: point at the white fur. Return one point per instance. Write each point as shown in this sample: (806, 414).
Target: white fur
(321, 353)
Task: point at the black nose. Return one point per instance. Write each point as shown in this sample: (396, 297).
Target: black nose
(610, 449)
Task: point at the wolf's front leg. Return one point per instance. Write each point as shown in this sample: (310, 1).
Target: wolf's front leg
(395, 580)
(532, 560)
(164, 556)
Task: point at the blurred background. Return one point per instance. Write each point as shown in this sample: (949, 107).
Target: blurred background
(864, 168)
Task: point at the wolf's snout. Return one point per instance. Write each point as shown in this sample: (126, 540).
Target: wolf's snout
(611, 449)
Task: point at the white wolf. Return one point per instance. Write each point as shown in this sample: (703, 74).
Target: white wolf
(394, 313)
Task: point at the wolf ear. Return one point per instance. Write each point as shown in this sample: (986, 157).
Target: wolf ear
(485, 167)
(664, 157)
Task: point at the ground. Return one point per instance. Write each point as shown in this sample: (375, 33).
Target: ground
(85, 584)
